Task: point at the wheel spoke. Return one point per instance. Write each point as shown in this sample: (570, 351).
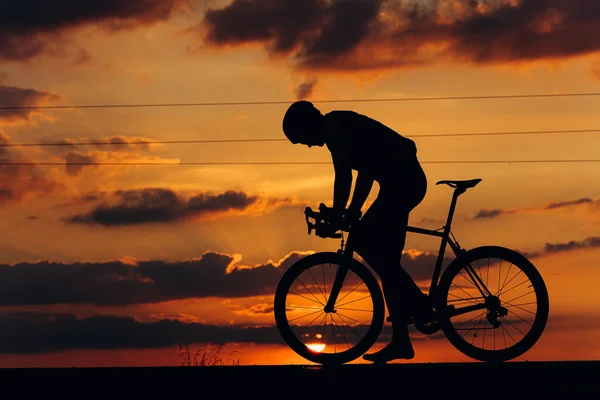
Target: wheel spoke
(463, 323)
(318, 285)
(361, 283)
(462, 290)
(468, 300)
(324, 283)
(518, 285)
(505, 277)
(317, 300)
(519, 317)
(310, 324)
(343, 305)
(508, 332)
(306, 315)
(509, 281)
(350, 327)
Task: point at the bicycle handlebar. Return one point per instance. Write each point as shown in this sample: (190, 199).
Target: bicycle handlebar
(324, 224)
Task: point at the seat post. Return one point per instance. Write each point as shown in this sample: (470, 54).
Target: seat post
(457, 192)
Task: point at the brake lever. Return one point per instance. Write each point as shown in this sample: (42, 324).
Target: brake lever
(308, 213)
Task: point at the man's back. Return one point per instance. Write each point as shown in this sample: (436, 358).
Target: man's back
(371, 146)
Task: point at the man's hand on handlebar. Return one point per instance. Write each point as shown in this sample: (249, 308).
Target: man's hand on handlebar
(328, 222)
(350, 218)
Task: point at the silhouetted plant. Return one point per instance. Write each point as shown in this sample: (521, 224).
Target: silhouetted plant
(205, 356)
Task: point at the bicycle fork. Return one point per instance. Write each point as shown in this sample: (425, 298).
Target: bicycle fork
(340, 278)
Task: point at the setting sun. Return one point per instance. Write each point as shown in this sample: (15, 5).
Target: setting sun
(316, 347)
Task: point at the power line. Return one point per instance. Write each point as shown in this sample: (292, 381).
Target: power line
(254, 103)
(149, 142)
(136, 142)
(507, 133)
(283, 163)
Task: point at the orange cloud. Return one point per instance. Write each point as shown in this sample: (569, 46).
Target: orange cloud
(23, 179)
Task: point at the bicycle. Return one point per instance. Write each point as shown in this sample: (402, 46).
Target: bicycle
(329, 307)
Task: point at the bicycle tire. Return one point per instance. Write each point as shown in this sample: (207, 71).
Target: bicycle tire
(521, 291)
(340, 336)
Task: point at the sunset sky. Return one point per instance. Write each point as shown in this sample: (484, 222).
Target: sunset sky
(108, 264)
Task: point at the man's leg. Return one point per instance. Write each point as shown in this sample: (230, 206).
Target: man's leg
(380, 240)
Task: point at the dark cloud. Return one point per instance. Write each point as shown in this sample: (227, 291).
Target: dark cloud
(420, 265)
(305, 90)
(151, 205)
(82, 57)
(31, 333)
(75, 162)
(572, 245)
(563, 204)
(28, 333)
(587, 243)
(431, 221)
(122, 283)
(29, 28)
(19, 99)
(489, 213)
(119, 283)
(352, 34)
(114, 144)
(485, 213)
(280, 24)
(79, 154)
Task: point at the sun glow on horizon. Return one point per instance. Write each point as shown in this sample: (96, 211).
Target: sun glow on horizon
(316, 347)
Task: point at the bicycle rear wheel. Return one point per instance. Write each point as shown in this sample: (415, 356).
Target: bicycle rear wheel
(322, 337)
(503, 325)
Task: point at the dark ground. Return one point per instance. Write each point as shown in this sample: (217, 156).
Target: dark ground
(510, 380)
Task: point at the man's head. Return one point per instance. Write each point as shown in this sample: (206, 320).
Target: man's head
(302, 123)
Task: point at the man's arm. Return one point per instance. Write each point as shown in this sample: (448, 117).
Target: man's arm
(342, 186)
(364, 184)
(341, 164)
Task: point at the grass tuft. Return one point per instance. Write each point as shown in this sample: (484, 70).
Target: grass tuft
(205, 356)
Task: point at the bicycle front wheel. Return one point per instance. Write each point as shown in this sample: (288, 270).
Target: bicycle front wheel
(338, 335)
(493, 304)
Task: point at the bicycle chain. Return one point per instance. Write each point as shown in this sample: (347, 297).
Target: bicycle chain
(428, 328)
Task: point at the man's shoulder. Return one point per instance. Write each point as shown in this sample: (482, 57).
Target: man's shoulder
(336, 119)
(341, 115)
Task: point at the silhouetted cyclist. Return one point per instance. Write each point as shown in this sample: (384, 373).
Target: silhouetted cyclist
(377, 153)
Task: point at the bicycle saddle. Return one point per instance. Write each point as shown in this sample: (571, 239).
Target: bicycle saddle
(461, 184)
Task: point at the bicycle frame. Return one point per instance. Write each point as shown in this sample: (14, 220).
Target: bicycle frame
(446, 240)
